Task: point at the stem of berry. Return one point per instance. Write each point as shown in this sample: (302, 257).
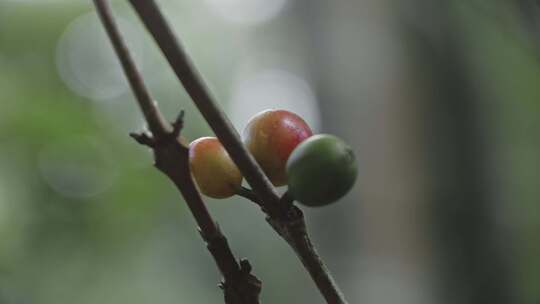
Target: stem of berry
(249, 195)
(286, 219)
(171, 158)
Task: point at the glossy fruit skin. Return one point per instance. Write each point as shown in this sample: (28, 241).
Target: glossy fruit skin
(321, 170)
(271, 136)
(213, 170)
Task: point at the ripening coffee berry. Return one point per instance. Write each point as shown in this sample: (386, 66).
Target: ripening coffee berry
(321, 170)
(213, 170)
(271, 136)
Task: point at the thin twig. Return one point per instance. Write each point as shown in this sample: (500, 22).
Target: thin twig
(249, 195)
(171, 156)
(155, 120)
(288, 222)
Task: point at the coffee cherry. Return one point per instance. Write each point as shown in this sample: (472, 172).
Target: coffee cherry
(271, 136)
(321, 170)
(213, 170)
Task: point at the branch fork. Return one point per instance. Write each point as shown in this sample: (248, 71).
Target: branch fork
(172, 158)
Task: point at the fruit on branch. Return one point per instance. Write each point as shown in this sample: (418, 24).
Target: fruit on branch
(271, 136)
(213, 170)
(321, 170)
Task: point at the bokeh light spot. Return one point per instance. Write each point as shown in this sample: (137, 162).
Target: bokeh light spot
(79, 168)
(86, 61)
(273, 89)
(247, 12)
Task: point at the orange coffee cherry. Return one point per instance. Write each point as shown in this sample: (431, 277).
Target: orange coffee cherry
(213, 170)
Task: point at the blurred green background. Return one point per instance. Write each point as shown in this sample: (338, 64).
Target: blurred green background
(440, 100)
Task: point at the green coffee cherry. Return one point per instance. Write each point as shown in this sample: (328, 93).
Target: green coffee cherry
(321, 170)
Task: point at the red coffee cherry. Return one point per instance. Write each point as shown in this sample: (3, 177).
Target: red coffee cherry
(213, 170)
(271, 136)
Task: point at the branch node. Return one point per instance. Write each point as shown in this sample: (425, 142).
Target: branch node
(293, 222)
(144, 139)
(178, 124)
(245, 266)
(245, 289)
